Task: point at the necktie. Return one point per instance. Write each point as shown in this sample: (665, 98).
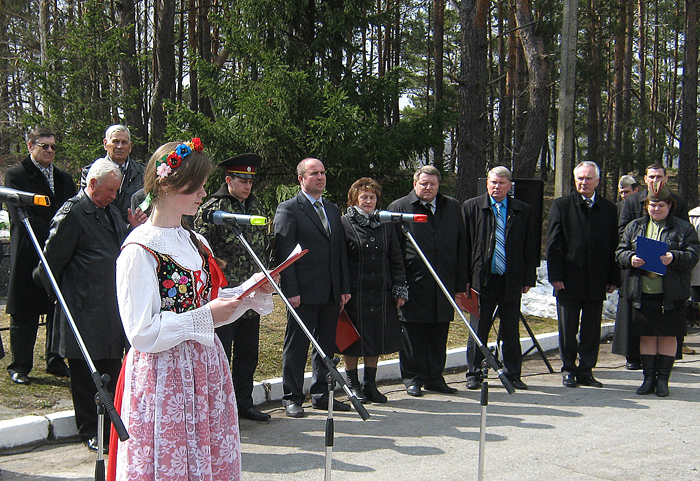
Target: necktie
(48, 173)
(499, 254)
(589, 202)
(322, 215)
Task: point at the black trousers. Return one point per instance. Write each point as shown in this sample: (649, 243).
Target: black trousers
(582, 317)
(321, 320)
(424, 354)
(23, 332)
(509, 328)
(244, 337)
(83, 391)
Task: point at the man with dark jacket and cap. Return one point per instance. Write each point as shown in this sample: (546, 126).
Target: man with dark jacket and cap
(235, 197)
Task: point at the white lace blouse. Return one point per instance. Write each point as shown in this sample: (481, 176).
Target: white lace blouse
(146, 327)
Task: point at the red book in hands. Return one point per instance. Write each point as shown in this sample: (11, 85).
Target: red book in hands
(296, 254)
(469, 304)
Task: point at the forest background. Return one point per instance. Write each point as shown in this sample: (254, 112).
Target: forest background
(371, 87)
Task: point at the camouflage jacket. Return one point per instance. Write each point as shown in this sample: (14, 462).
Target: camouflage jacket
(224, 243)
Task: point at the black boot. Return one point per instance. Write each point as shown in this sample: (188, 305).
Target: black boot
(649, 367)
(370, 387)
(355, 386)
(664, 364)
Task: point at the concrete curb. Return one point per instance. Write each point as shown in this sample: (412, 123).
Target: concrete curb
(31, 430)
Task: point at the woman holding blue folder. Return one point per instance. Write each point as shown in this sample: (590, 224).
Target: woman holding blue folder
(658, 298)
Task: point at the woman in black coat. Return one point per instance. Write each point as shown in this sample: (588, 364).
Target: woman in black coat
(377, 284)
(658, 301)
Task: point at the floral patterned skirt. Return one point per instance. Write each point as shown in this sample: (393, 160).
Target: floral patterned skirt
(179, 408)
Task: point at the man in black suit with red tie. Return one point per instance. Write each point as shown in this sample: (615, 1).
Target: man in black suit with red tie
(582, 269)
(317, 285)
(25, 300)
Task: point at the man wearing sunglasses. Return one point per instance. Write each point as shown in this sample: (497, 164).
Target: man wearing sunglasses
(26, 301)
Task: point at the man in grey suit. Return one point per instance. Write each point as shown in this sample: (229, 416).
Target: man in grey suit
(317, 285)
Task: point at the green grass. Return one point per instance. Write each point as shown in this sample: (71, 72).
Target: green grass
(46, 391)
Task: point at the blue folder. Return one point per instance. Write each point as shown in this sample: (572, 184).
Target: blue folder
(651, 250)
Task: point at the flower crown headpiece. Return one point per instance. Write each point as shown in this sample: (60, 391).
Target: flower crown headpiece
(170, 161)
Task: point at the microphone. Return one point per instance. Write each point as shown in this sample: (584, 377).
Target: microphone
(219, 217)
(385, 216)
(19, 197)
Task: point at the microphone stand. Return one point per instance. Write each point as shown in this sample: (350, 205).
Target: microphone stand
(103, 398)
(484, 350)
(326, 360)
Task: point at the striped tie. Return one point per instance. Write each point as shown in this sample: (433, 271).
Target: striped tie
(319, 209)
(499, 254)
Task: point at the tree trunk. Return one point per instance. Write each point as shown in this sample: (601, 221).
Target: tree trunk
(595, 73)
(438, 90)
(472, 97)
(565, 122)
(643, 116)
(688, 160)
(525, 161)
(131, 79)
(164, 71)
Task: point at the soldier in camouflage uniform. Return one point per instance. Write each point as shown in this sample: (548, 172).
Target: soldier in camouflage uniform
(234, 196)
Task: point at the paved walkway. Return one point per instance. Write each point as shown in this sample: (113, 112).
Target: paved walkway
(545, 433)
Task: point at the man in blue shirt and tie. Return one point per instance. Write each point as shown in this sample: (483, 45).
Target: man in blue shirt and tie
(502, 246)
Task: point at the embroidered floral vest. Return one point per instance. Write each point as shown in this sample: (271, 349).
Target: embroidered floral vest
(178, 285)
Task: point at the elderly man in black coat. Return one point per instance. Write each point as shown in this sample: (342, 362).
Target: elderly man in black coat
(502, 267)
(582, 269)
(26, 301)
(82, 249)
(428, 313)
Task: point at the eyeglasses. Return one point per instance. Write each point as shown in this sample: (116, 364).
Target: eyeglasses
(46, 146)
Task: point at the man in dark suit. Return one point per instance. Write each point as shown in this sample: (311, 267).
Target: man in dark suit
(26, 301)
(117, 143)
(317, 285)
(581, 263)
(428, 313)
(503, 261)
(82, 248)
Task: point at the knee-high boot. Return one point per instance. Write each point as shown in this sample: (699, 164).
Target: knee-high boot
(649, 367)
(355, 386)
(664, 365)
(370, 387)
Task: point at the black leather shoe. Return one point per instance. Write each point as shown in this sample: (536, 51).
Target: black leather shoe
(93, 445)
(294, 410)
(518, 383)
(414, 390)
(254, 414)
(633, 366)
(441, 387)
(20, 378)
(588, 380)
(337, 405)
(473, 383)
(569, 380)
(58, 370)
